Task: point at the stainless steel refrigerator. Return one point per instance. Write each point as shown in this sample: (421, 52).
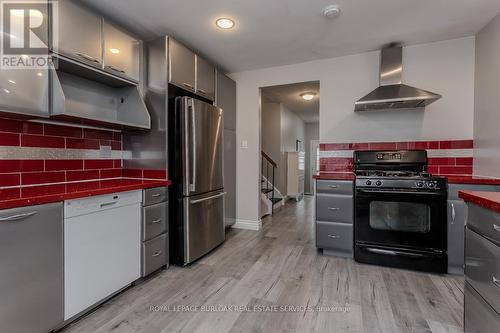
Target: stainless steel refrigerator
(196, 169)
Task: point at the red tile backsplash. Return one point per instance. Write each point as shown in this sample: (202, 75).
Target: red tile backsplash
(57, 165)
(97, 134)
(41, 141)
(31, 178)
(439, 165)
(72, 176)
(98, 164)
(9, 139)
(65, 131)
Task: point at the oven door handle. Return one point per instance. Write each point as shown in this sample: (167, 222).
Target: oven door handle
(400, 192)
(394, 253)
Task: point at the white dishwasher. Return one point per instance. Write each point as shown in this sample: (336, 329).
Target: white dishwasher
(102, 248)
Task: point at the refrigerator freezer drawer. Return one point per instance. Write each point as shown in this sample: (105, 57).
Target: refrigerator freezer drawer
(203, 224)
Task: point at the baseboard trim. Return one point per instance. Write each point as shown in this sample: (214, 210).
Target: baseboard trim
(248, 224)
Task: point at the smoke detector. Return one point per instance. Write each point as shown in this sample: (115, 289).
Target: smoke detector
(331, 11)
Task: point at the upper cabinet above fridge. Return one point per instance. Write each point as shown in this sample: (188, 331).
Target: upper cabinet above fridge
(79, 34)
(182, 65)
(121, 52)
(190, 71)
(205, 78)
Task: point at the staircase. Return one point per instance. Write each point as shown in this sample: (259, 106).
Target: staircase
(270, 196)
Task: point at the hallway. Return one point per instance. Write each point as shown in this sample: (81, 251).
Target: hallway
(276, 281)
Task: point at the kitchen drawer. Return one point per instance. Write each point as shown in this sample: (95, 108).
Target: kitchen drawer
(482, 269)
(334, 186)
(479, 316)
(334, 236)
(154, 254)
(153, 196)
(485, 222)
(334, 208)
(154, 220)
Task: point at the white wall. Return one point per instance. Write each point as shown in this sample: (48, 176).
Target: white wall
(445, 67)
(312, 133)
(487, 101)
(271, 130)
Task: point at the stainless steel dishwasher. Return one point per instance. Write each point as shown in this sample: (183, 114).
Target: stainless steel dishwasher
(31, 268)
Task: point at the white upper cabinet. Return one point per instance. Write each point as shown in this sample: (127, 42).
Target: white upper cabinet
(79, 33)
(181, 65)
(205, 78)
(121, 52)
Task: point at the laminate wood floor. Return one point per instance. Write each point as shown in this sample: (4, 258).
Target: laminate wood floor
(276, 281)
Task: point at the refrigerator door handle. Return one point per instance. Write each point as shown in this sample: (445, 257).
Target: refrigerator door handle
(193, 202)
(192, 186)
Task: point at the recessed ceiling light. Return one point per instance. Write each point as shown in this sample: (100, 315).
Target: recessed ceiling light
(308, 96)
(114, 51)
(225, 23)
(331, 11)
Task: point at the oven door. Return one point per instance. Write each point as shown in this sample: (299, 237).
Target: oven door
(401, 218)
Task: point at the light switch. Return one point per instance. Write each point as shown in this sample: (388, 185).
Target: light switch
(244, 144)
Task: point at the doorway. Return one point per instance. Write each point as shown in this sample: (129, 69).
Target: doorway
(289, 123)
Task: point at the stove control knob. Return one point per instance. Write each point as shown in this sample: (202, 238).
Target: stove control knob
(378, 183)
(420, 184)
(368, 182)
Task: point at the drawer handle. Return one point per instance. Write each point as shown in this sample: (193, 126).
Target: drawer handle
(157, 253)
(156, 195)
(87, 57)
(496, 282)
(156, 221)
(188, 85)
(333, 236)
(106, 204)
(17, 217)
(333, 209)
(496, 227)
(332, 186)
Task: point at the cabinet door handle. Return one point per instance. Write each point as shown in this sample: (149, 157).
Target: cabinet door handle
(87, 57)
(156, 221)
(157, 253)
(332, 186)
(334, 236)
(333, 209)
(156, 195)
(17, 217)
(190, 86)
(496, 227)
(116, 69)
(496, 282)
(453, 213)
(202, 91)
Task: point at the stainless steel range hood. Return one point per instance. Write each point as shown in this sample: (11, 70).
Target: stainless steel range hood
(392, 93)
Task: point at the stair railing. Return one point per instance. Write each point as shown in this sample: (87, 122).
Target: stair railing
(268, 169)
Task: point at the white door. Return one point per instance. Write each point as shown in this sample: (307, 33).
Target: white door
(314, 162)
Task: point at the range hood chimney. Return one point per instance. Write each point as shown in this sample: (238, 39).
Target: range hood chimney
(392, 93)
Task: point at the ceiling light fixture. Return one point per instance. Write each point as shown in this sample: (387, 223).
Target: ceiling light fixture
(331, 11)
(225, 23)
(308, 96)
(114, 51)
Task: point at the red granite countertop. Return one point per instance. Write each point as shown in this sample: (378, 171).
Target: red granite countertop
(41, 194)
(489, 200)
(334, 176)
(472, 180)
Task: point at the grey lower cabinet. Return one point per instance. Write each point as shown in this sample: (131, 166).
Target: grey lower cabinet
(155, 245)
(334, 217)
(31, 274)
(230, 177)
(457, 218)
(482, 271)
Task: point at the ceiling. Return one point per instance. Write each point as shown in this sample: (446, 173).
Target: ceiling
(289, 95)
(280, 32)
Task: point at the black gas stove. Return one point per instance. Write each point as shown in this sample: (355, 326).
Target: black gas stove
(400, 211)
